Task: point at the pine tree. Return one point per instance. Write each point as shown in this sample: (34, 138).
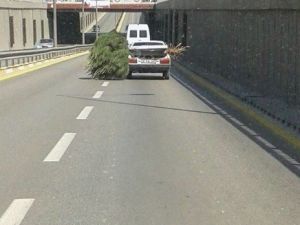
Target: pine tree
(109, 57)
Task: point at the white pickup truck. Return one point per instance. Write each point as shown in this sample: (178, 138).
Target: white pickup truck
(149, 57)
(137, 32)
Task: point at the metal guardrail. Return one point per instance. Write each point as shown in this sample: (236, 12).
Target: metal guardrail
(19, 58)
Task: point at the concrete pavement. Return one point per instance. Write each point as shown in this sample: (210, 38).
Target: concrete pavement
(148, 151)
(131, 17)
(108, 22)
(143, 151)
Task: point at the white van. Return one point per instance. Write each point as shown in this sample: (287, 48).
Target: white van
(137, 32)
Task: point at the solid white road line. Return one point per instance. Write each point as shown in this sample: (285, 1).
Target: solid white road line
(98, 94)
(105, 84)
(60, 148)
(286, 157)
(85, 113)
(265, 142)
(235, 121)
(16, 212)
(217, 107)
(250, 131)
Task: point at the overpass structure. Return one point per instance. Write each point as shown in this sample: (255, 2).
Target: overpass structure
(105, 5)
(75, 22)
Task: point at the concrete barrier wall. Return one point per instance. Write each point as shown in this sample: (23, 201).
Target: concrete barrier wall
(228, 4)
(258, 48)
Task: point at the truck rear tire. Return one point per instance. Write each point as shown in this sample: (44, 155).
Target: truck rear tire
(166, 75)
(129, 76)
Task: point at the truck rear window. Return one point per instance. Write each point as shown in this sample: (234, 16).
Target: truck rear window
(143, 33)
(133, 33)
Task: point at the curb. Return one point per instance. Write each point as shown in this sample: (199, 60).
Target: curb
(120, 22)
(242, 107)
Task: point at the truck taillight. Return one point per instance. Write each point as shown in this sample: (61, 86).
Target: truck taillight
(132, 60)
(165, 60)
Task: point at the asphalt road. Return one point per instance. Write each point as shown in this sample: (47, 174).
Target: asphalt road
(145, 151)
(131, 18)
(108, 22)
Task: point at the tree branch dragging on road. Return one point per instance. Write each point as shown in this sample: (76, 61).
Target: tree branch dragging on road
(109, 57)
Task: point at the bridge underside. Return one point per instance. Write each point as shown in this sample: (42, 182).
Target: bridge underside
(112, 8)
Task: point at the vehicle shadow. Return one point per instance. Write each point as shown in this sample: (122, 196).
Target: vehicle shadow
(85, 78)
(146, 77)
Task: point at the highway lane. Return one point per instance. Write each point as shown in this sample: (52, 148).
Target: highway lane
(147, 151)
(107, 22)
(131, 18)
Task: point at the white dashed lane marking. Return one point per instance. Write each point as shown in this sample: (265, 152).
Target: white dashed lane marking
(265, 142)
(16, 212)
(98, 94)
(85, 113)
(105, 84)
(60, 148)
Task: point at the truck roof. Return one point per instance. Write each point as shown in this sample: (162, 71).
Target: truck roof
(138, 26)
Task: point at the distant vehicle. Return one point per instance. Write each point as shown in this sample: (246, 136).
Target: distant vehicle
(95, 28)
(137, 32)
(149, 57)
(45, 43)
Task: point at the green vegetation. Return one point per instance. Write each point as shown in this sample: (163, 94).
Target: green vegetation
(109, 57)
(176, 51)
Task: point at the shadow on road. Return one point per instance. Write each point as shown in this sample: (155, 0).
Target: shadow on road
(141, 105)
(293, 165)
(140, 77)
(85, 78)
